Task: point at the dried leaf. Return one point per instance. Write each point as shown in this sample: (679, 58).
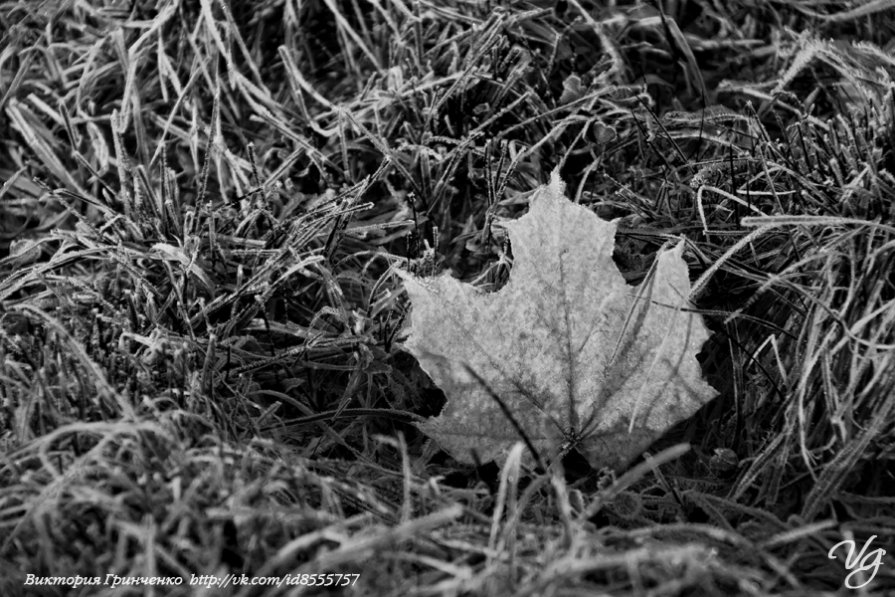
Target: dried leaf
(581, 359)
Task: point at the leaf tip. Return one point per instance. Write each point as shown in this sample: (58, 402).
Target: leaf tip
(557, 187)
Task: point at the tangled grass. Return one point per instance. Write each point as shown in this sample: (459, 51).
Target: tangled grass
(201, 330)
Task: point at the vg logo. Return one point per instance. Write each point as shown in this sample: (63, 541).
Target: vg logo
(859, 563)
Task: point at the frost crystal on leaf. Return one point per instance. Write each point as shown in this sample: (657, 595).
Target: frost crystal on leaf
(575, 353)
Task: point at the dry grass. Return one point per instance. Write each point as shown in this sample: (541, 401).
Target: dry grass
(201, 332)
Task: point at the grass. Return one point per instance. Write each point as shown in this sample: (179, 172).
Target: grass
(202, 205)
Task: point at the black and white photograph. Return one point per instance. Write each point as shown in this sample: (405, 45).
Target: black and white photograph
(461, 298)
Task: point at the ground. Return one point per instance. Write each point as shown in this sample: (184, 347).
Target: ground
(204, 209)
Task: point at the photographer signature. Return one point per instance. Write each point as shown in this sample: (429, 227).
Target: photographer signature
(859, 563)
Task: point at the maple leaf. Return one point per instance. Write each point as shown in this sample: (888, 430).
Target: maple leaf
(578, 357)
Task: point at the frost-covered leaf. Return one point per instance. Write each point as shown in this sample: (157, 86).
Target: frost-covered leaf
(572, 89)
(578, 356)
